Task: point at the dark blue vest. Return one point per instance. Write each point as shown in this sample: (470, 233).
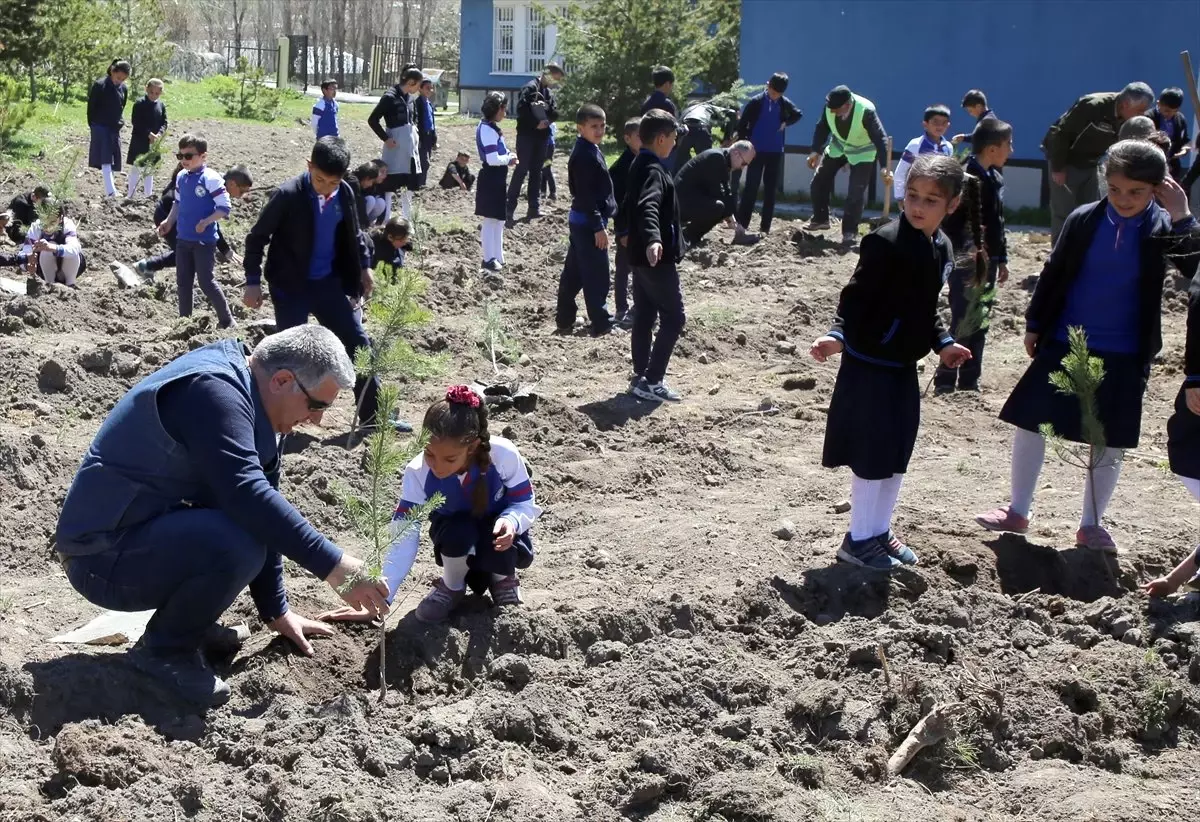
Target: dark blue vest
(134, 471)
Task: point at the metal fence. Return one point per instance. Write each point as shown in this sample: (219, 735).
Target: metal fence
(256, 56)
(389, 56)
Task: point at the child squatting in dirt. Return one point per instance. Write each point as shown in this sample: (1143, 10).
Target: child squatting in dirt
(480, 534)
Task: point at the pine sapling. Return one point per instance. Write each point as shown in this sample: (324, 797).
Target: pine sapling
(1080, 377)
(152, 159)
(392, 314)
(371, 514)
(495, 342)
(62, 189)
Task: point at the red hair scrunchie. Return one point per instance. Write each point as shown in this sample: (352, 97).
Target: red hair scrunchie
(462, 395)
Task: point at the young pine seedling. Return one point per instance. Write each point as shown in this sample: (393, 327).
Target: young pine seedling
(495, 342)
(153, 157)
(371, 514)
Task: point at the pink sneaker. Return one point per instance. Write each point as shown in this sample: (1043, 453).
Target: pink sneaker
(1095, 538)
(1003, 520)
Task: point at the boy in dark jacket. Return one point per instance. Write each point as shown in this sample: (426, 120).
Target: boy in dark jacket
(664, 83)
(24, 213)
(458, 173)
(619, 174)
(426, 128)
(149, 122)
(1168, 120)
(318, 261)
(535, 112)
(592, 204)
(655, 248)
(763, 121)
(701, 121)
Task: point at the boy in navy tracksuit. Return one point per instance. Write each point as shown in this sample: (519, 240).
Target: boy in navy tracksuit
(619, 174)
(200, 201)
(655, 249)
(664, 83)
(318, 257)
(325, 111)
(763, 121)
(427, 138)
(237, 184)
(592, 204)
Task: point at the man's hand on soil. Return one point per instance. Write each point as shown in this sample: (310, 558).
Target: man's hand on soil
(297, 629)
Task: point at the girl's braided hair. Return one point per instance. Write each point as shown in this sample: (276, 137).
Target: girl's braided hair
(462, 415)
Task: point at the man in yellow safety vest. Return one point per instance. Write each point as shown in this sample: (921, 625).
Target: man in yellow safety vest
(856, 138)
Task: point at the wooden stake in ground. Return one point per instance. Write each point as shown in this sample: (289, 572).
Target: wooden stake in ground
(1191, 85)
(887, 192)
(932, 729)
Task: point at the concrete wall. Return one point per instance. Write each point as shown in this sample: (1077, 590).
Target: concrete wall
(1033, 58)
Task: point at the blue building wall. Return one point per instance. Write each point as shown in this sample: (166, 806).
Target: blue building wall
(1033, 58)
(475, 77)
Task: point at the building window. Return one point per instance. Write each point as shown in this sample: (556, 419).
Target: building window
(524, 35)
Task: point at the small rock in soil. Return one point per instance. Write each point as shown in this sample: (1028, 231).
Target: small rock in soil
(712, 481)
(703, 359)
(784, 347)
(842, 507)
(1132, 637)
(732, 727)
(127, 365)
(1122, 624)
(740, 339)
(53, 377)
(512, 669)
(10, 325)
(785, 530)
(96, 360)
(524, 360)
(606, 650)
(799, 383)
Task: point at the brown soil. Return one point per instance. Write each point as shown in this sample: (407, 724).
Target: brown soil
(675, 659)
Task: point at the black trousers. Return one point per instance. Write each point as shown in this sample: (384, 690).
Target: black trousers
(763, 168)
(656, 295)
(425, 150)
(967, 375)
(856, 197)
(586, 270)
(531, 156)
(700, 216)
(696, 139)
(621, 277)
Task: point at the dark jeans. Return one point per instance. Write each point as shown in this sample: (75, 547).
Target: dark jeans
(967, 375)
(325, 300)
(464, 535)
(621, 276)
(856, 197)
(549, 184)
(698, 138)
(425, 151)
(531, 156)
(195, 262)
(656, 296)
(700, 216)
(161, 261)
(763, 168)
(189, 565)
(586, 270)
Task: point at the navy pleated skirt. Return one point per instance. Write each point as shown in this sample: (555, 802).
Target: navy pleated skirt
(874, 415)
(1183, 439)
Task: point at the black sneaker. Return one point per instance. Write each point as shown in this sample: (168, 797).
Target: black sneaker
(942, 390)
(185, 673)
(534, 215)
(817, 225)
(745, 238)
(625, 320)
(654, 392)
(221, 640)
(867, 553)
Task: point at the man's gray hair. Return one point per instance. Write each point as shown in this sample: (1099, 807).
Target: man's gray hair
(310, 352)
(1138, 91)
(742, 147)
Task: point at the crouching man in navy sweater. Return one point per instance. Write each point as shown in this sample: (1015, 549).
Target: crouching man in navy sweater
(176, 506)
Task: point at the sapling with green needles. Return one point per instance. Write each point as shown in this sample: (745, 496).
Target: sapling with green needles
(495, 341)
(153, 157)
(371, 513)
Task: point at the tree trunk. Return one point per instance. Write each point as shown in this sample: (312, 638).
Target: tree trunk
(32, 83)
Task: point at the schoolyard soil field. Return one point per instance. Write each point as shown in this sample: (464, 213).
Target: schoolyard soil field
(676, 659)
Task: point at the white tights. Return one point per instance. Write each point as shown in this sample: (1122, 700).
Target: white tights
(491, 236)
(1029, 453)
(50, 264)
(406, 200)
(135, 174)
(872, 503)
(110, 188)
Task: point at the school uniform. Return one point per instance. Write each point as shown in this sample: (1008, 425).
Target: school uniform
(991, 191)
(393, 119)
(988, 114)
(535, 105)
(490, 195)
(619, 174)
(549, 184)
(426, 135)
(1183, 428)
(1105, 274)
(24, 214)
(325, 118)
(705, 196)
(586, 266)
(147, 117)
(659, 100)
(652, 211)
(455, 529)
(463, 173)
(105, 116)
(162, 210)
(887, 321)
(66, 261)
(1175, 128)
(315, 263)
(382, 250)
(762, 123)
(199, 194)
(915, 148)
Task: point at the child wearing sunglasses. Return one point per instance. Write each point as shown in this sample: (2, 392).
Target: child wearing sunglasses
(201, 200)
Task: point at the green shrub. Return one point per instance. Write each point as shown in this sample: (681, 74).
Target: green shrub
(245, 94)
(14, 110)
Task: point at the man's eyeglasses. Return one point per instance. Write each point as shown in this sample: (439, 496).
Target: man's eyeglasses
(314, 404)
(186, 155)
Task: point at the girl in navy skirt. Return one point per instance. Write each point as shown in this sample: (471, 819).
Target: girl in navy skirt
(480, 534)
(105, 115)
(401, 146)
(1105, 275)
(887, 321)
(492, 183)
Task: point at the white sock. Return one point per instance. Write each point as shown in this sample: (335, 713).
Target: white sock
(498, 241)
(454, 572)
(485, 239)
(132, 181)
(863, 496)
(387, 206)
(1192, 485)
(885, 504)
(406, 204)
(1104, 482)
(1028, 455)
(109, 188)
(148, 185)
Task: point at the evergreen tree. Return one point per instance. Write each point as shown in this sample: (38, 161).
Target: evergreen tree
(24, 33)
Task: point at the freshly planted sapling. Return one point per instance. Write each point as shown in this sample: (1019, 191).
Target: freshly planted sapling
(371, 514)
(495, 342)
(153, 157)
